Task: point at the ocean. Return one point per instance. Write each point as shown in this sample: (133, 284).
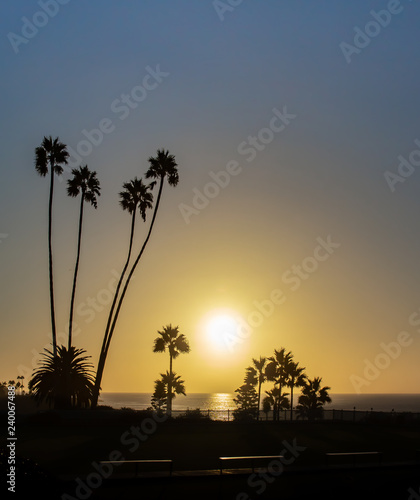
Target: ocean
(224, 401)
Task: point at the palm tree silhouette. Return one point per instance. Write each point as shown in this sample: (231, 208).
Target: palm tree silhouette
(259, 367)
(162, 166)
(173, 385)
(176, 343)
(277, 369)
(136, 195)
(276, 400)
(312, 399)
(296, 378)
(85, 182)
(51, 155)
(64, 379)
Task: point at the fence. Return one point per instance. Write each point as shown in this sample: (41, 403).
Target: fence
(327, 415)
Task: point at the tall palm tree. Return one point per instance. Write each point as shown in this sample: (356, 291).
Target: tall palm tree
(259, 367)
(162, 166)
(277, 369)
(86, 183)
(50, 156)
(312, 399)
(64, 379)
(135, 196)
(176, 343)
(296, 378)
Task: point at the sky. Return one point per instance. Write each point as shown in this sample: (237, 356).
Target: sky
(296, 130)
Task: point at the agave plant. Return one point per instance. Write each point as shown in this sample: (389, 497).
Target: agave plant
(64, 380)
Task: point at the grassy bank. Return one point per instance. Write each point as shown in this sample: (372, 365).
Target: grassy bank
(68, 443)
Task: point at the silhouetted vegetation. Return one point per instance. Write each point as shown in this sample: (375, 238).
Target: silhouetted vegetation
(135, 196)
(176, 343)
(63, 380)
(312, 399)
(52, 154)
(166, 389)
(85, 183)
(194, 415)
(162, 166)
(284, 372)
(247, 397)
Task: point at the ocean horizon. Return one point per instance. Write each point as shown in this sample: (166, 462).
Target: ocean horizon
(224, 401)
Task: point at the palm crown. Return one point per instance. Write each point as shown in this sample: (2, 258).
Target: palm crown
(86, 182)
(136, 194)
(171, 339)
(52, 152)
(163, 165)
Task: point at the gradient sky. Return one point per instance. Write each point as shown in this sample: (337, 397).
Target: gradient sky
(322, 176)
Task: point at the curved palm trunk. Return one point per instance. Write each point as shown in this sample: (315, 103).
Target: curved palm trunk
(104, 353)
(50, 262)
(259, 399)
(76, 268)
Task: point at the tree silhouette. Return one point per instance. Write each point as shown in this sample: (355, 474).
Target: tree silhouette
(246, 401)
(276, 400)
(166, 389)
(64, 379)
(162, 166)
(160, 396)
(135, 196)
(49, 157)
(176, 343)
(83, 182)
(277, 371)
(312, 399)
(296, 378)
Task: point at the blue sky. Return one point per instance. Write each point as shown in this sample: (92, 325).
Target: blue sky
(322, 175)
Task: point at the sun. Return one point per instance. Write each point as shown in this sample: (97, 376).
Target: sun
(221, 331)
(221, 334)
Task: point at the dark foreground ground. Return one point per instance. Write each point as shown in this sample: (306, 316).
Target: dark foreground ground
(60, 455)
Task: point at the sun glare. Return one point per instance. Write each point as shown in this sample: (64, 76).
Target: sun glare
(221, 330)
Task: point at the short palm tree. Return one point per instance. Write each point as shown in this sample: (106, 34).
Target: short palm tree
(277, 401)
(312, 399)
(176, 343)
(135, 196)
(63, 380)
(277, 368)
(162, 166)
(49, 157)
(296, 378)
(86, 183)
(173, 386)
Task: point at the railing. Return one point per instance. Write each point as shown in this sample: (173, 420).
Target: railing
(284, 415)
